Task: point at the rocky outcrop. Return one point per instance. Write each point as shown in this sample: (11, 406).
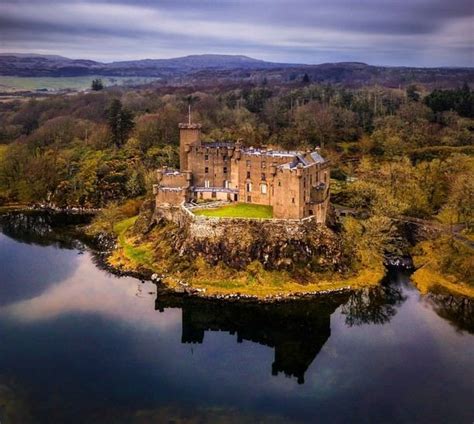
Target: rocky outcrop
(276, 244)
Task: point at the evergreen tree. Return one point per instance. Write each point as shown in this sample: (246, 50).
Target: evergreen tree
(120, 122)
(97, 84)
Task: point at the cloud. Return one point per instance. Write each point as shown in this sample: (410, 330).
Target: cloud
(376, 31)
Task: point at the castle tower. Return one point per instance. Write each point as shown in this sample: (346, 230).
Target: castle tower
(189, 135)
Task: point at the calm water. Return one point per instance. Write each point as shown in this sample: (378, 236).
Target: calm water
(78, 345)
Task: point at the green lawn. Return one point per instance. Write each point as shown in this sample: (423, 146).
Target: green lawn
(238, 210)
(141, 255)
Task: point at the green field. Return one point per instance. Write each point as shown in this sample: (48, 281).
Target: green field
(11, 84)
(239, 210)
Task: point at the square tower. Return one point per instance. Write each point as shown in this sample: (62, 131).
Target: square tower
(189, 135)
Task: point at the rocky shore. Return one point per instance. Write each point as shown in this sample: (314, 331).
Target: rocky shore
(257, 243)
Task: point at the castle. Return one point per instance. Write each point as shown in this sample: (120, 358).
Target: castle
(295, 184)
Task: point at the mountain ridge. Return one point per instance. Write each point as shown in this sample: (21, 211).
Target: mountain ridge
(211, 68)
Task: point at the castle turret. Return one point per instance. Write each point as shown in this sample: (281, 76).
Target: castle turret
(189, 135)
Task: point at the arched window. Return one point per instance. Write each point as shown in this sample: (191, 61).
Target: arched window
(263, 188)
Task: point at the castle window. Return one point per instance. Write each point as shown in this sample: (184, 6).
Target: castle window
(249, 187)
(226, 184)
(248, 163)
(279, 183)
(249, 198)
(325, 177)
(248, 174)
(264, 164)
(225, 169)
(214, 195)
(263, 188)
(293, 200)
(206, 170)
(207, 183)
(264, 177)
(224, 158)
(206, 157)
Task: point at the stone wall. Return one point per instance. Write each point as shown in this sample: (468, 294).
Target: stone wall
(277, 244)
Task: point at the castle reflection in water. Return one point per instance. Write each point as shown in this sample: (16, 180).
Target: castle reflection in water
(296, 330)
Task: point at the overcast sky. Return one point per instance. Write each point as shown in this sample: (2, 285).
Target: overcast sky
(385, 32)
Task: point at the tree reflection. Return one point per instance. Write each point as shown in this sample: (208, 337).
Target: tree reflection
(457, 310)
(377, 305)
(43, 228)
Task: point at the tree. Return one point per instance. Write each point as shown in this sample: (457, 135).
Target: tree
(306, 79)
(97, 84)
(120, 122)
(412, 93)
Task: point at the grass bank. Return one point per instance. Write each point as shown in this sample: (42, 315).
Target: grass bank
(445, 264)
(155, 254)
(427, 280)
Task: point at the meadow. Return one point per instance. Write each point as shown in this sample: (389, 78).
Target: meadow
(12, 84)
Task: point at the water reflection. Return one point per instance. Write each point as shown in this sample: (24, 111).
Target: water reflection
(296, 330)
(92, 348)
(376, 305)
(457, 310)
(43, 229)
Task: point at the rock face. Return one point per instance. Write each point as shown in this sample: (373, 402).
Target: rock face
(276, 244)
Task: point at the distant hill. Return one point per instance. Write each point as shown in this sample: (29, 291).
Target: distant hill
(211, 68)
(34, 65)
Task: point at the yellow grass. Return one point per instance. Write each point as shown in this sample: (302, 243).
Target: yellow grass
(156, 255)
(431, 275)
(426, 279)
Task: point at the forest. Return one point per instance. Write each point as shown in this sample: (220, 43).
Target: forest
(395, 152)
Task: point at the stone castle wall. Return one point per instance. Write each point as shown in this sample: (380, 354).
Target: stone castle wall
(277, 244)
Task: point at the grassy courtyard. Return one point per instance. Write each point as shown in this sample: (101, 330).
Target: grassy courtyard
(238, 210)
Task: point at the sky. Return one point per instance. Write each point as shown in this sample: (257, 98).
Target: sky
(379, 32)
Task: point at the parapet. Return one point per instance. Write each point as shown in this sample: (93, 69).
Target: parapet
(184, 126)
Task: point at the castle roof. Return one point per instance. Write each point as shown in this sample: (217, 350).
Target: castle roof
(270, 153)
(219, 144)
(306, 159)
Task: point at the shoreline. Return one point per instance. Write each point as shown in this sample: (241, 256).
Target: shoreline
(182, 288)
(105, 245)
(123, 264)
